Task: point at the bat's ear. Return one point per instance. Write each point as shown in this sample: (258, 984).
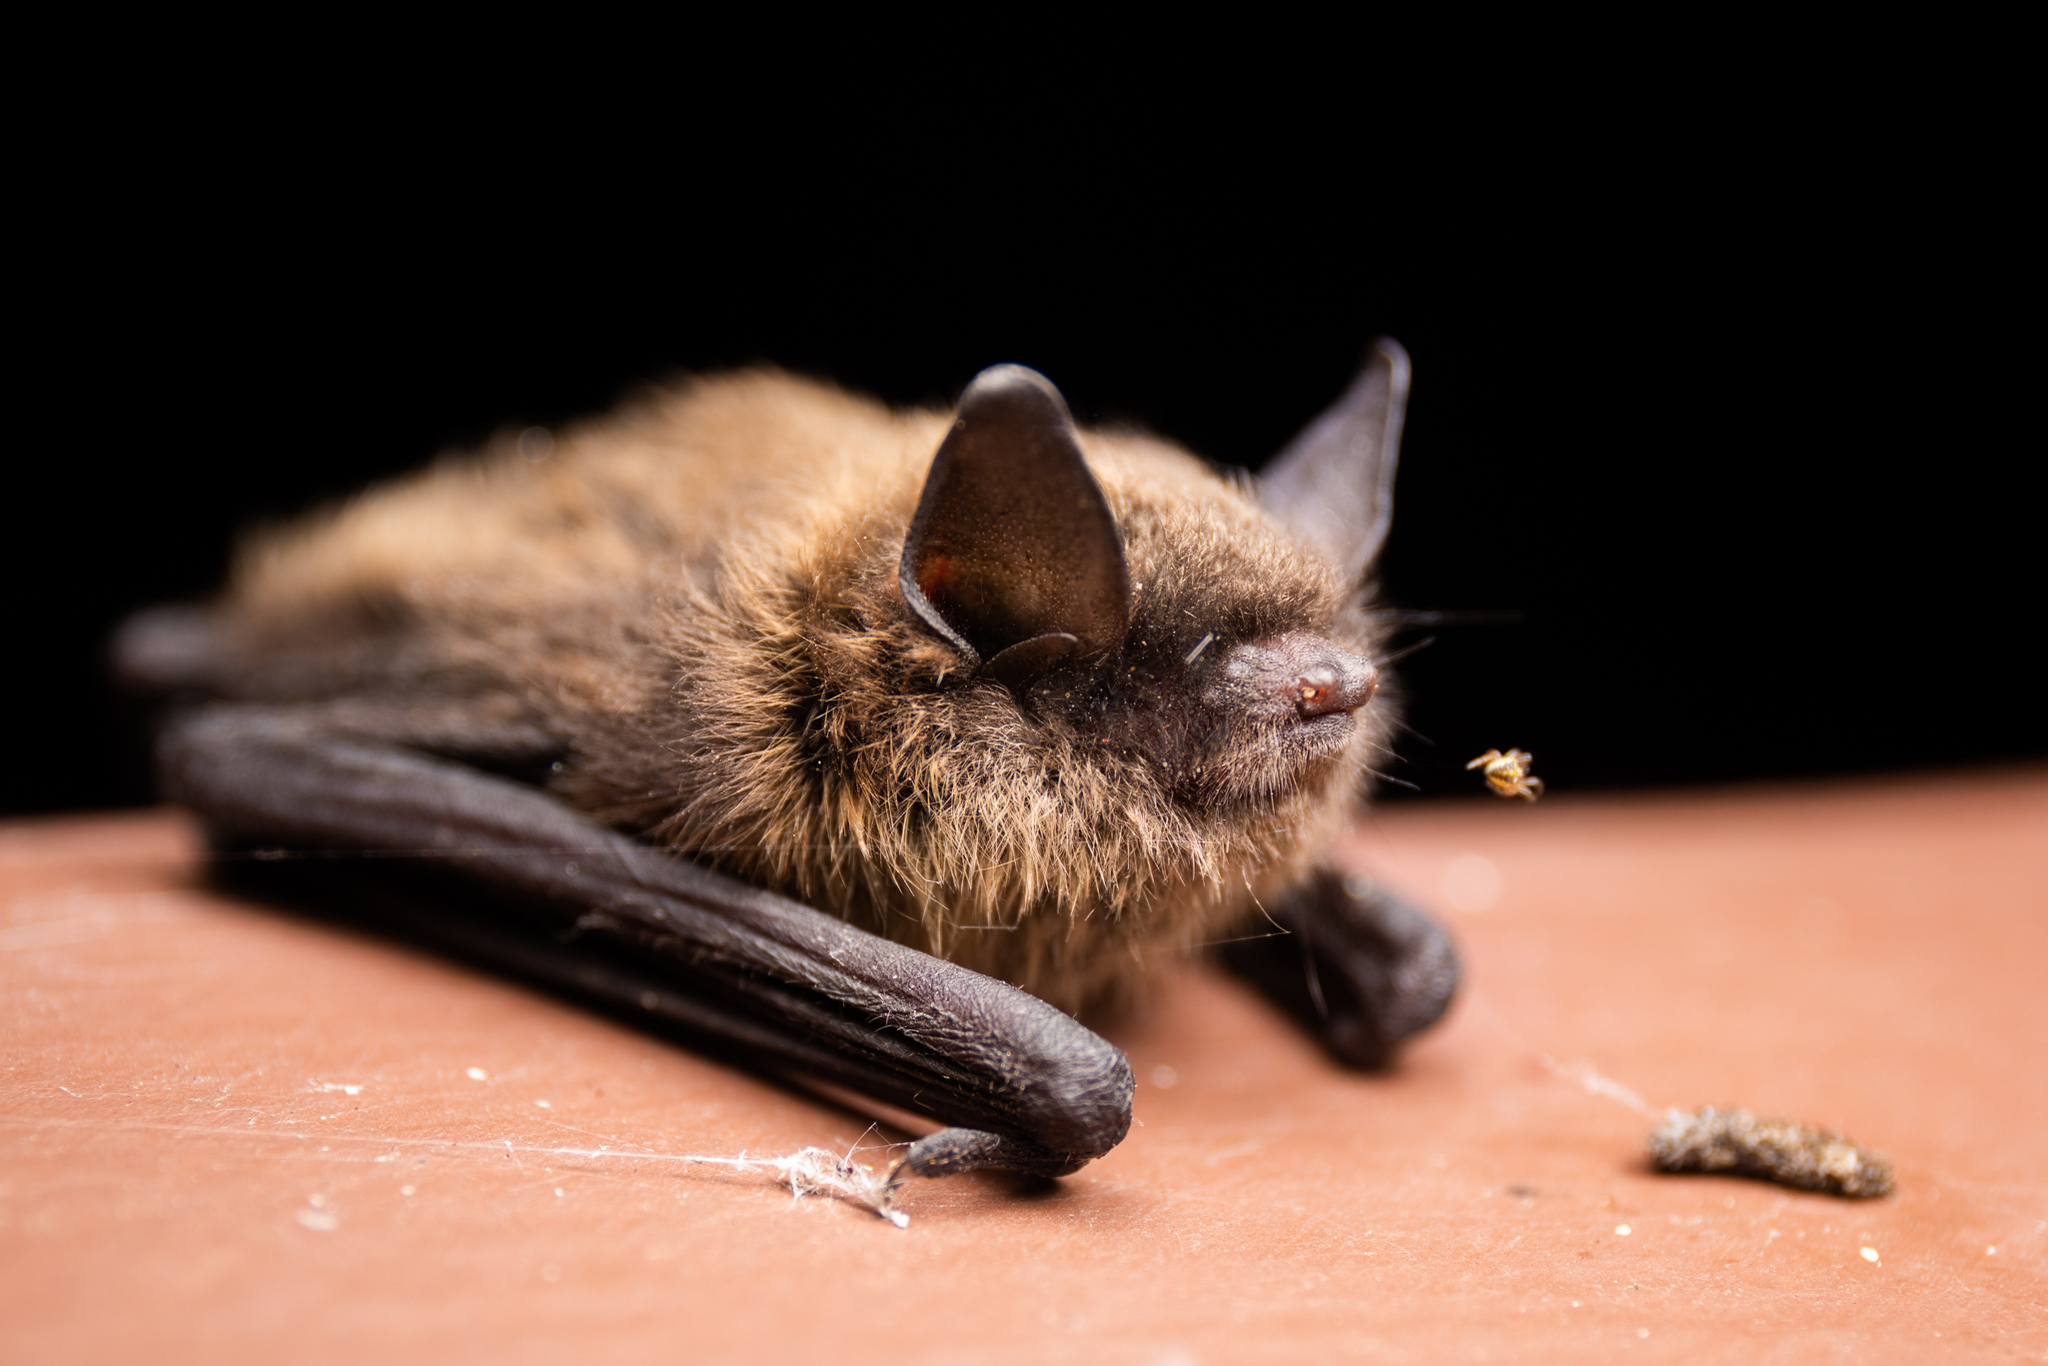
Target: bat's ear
(1013, 555)
(1334, 484)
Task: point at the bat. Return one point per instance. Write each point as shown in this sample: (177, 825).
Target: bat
(866, 746)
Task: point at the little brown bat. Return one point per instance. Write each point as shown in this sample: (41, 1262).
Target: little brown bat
(866, 744)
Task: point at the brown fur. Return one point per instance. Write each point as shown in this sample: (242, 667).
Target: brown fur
(698, 596)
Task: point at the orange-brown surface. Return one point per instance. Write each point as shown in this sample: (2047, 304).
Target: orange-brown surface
(233, 1134)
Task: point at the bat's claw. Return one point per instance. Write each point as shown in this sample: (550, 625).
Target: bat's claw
(950, 1152)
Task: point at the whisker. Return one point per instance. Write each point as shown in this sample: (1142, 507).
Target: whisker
(1403, 653)
(1414, 732)
(1239, 939)
(1399, 617)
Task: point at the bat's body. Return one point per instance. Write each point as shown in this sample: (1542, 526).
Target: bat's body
(804, 733)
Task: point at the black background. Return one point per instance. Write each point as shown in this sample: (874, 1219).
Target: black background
(1735, 442)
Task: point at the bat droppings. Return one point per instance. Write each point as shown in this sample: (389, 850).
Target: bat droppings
(1783, 1151)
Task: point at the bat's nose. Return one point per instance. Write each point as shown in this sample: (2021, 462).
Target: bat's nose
(1306, 675)
(1338, 681)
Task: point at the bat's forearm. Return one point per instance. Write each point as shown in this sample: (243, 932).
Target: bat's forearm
(759, 971)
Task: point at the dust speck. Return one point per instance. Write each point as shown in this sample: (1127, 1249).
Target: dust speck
(1869, 1254)
(1622, 1230)
(478, 1074)
(319, 1220)
(1164, 1077)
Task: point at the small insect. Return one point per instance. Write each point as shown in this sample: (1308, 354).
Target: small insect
(1784, 1151)
(1508, 774)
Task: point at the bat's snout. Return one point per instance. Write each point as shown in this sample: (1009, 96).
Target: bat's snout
(1304, 675)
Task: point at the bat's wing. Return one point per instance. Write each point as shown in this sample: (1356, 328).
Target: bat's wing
(1024, 1086)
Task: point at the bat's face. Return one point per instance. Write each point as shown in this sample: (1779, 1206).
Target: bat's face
(1166, 619)
(1240, 680)
(1244, 722)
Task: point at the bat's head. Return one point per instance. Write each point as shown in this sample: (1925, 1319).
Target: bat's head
(1206, 631)
(1087, 690)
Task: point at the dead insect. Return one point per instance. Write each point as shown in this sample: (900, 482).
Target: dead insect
(744, 712)
(1784, 1151)
(1508, 774)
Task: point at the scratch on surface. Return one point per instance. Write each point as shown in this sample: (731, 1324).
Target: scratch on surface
(50, 934)
(1225, 1154)
(1586, 1075)
(1583, 1073)
(80, 914)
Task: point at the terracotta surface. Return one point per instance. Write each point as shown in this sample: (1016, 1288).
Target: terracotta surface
(230, 1134)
